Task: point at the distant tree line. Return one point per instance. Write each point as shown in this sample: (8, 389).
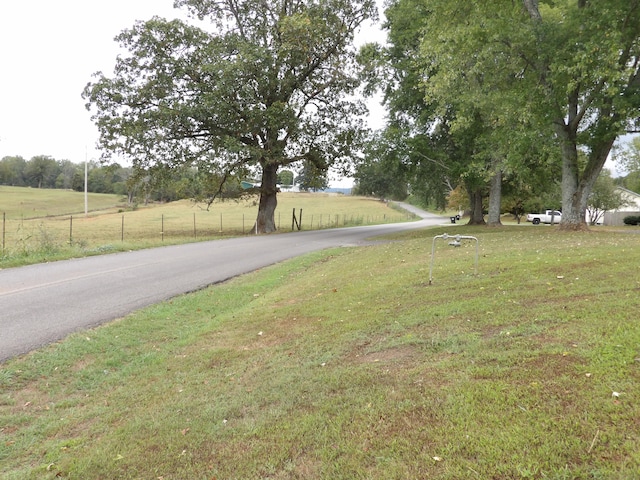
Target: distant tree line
(43, 171)
(381, 175)
(158, 184)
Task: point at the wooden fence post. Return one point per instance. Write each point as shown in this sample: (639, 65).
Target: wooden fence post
(295, 222)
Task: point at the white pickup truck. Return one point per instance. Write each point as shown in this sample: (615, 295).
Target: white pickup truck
(549, 216)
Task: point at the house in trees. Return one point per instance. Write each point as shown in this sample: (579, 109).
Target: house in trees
(631, 207)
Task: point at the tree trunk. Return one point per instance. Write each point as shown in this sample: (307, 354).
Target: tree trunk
(495, 199)
(265, 223)
(577, 186)
(573, 216)
(532, 9)
(475, 200)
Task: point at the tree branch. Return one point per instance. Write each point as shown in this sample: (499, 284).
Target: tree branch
(532, 9)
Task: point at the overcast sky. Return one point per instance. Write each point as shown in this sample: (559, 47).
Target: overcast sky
(48, 52)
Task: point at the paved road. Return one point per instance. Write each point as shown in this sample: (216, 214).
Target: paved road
(40, 304)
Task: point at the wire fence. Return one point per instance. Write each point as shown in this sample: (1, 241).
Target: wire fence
(23, 235)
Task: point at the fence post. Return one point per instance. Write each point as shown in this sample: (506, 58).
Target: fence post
(162, 226)
(297, 222)
(70, 230)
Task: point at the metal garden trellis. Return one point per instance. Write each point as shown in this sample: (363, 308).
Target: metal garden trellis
(454, 243)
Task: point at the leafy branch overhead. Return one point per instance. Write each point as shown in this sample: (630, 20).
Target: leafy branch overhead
(267, 85)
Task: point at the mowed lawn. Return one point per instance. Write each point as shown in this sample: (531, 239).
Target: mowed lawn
(348, 364)
(28, 203)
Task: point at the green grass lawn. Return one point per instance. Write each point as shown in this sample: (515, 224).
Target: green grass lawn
(27, 203)
(347, 364)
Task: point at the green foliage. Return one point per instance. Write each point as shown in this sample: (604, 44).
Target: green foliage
(628, 158)
(456, 127)
(382, 173)
(631, 220)
(312, 178)
(265, 88)
(514, 87)
(285, 177)
(157, 183)
(12, 171)
(406, 147)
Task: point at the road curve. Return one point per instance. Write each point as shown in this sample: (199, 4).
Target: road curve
(43, 303)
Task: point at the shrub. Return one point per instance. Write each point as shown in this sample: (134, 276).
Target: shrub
(631, 220)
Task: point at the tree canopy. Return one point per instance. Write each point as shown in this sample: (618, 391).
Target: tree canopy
(267, 85)
(503, 78)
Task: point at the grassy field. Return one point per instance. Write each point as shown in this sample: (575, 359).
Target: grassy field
(45, 225)
(348, 364)
(28, 203)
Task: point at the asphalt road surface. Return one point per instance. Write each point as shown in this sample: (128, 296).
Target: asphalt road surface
(41, 304)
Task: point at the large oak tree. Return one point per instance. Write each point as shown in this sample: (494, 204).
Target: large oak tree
(265, 84)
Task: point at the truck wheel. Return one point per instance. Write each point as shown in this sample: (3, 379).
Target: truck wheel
(536, 221)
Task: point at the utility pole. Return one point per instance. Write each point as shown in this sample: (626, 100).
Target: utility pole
(86, 198)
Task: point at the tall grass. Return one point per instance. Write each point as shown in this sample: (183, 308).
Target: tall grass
(347, 364)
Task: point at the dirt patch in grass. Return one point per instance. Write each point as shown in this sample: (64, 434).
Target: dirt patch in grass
(83, 363)
(398, 357)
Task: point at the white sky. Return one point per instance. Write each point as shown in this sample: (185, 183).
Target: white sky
(48, 52)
